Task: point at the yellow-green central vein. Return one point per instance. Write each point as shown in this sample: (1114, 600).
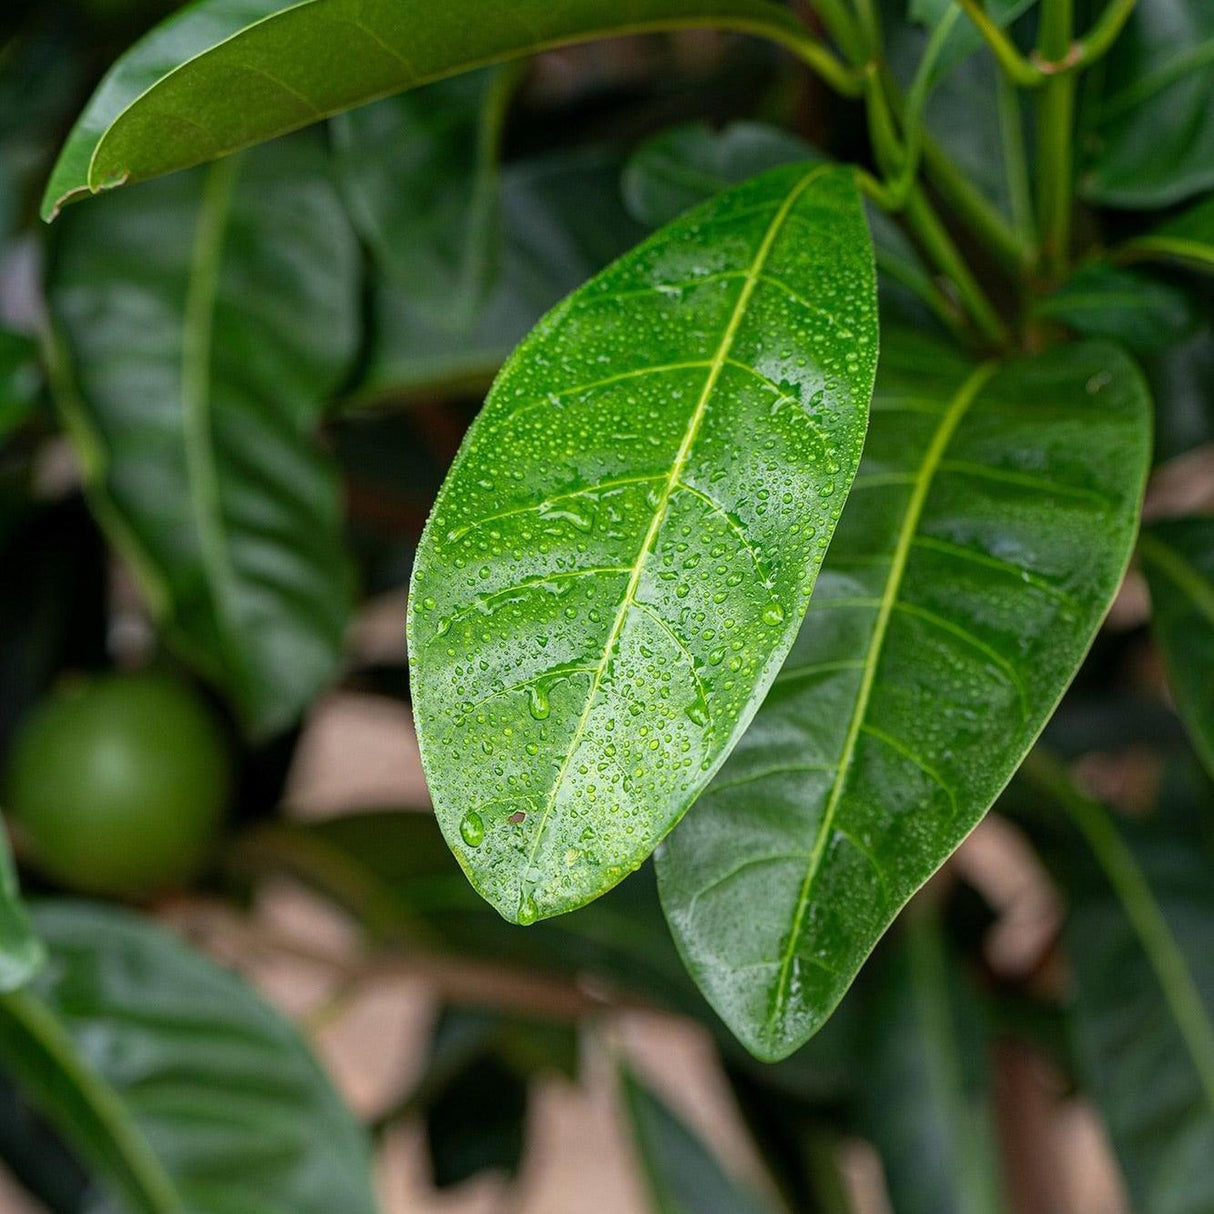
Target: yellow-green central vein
(198, 323)
(885, 608)
(753, 274)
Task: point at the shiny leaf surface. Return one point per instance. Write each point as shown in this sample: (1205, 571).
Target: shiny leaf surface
(984, 538)
(609, 581)
(206, 319)
(685, 165)
(682, 1174)
(179, 1087)
(1150, 126)
(224, 74)
(1178, 558)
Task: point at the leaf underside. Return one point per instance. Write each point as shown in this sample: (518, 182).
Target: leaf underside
(203, 348)
(985, 535)
(609, 579)
(224, 74)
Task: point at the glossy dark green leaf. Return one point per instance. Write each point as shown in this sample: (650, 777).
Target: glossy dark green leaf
(926, 1102)
(680, 168)
(205, 320)
(1138, 941)
(1188, 238)
(1178, 557)
(20, 380)
(1145, 314)
(609, 581)
(224, 74)
(1150, 124)
(420, 176)
(983, 541)
(685, 165)
(682, 1174)
(179, 1087)
(562, 221)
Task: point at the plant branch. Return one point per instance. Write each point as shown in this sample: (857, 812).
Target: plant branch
(1027, 74)
(1055, 120)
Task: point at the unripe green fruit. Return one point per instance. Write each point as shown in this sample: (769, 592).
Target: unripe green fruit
(119, 785)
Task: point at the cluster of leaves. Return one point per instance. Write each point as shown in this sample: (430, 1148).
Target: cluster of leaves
(797, 516)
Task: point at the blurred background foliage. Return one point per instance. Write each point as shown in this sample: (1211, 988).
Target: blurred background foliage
(348, 294)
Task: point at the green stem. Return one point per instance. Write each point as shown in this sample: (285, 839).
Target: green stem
(1055, 120)
(936, 242)
(843, 29)
(1019, 69)
(1015, 162)
(1104, 33)
(809, 50)
(1143, 911)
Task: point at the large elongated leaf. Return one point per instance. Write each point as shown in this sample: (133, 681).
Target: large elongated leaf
(610, 579)
(207, 319)
(982, 543)
(223, 74)
(1150, 127)
(1178, 557)
(682, 1174)
(562, 221)
(181, 1090)
(926, 1103)
(1138, 940)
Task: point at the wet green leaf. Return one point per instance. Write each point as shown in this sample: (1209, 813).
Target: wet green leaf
(685, 165)
(1188, 238)
(205, 321)
(1178, 557)
(983, 541)
(224, 74)
(609, 581)
(682, 1174)
(926, 1103)
(1150, 122)
(179, 1088)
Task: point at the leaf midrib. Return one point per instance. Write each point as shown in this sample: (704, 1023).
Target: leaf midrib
(753, 274)
(923, 479)
(198, 323)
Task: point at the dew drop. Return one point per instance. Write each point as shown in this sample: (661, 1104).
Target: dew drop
(527, 910)
(537, 702)
(472, 829)
(773, 613)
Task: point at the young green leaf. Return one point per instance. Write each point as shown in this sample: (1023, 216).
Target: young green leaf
(1138, 941)
(206, 320)
(682, 1174)
(610, 579)
(562, 221)
(1145, 314)
(224, 74)
(926, 1101)
(983, 541)
(173, 1082)
(1188, 238)
(1150, 125)
(420, 175)
(1178, 557)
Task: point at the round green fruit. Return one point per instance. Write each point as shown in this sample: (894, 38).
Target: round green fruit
(119, 785)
